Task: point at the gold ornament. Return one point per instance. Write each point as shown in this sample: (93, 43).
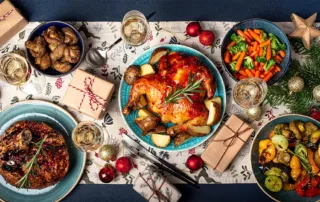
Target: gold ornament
(295, 84)
(108, 152)
(316, 93)
(304, 29)
(254, 113)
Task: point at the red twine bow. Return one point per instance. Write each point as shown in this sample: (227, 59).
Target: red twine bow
(6, 15)
(93, 98)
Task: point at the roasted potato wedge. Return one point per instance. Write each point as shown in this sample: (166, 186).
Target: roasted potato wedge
(131, 74)
(181, 138)
(214, 99)
(146, 69)
(214, 113)
(160, 140)
(157, 54)
(310, 128)
(144, 112)
(199, 131)
(147, 123)
(294, 128)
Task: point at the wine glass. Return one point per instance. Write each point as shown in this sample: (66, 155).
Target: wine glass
(87, 136)
(250, 93)
(15, 70)
(135, 32)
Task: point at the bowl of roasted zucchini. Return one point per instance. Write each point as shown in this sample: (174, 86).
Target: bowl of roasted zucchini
(285, 158)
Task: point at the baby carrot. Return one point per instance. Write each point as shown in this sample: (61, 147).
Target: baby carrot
(236, 56)
(278, 69)
(257, 74)
(255, 63)
(249, 49)
(260, 52)
(263, 44)
(258, 31)
(268, 55)
(278, 57)
(242, 77)
(258, 49)
(262, 76)
(240, 32)
(227, 57)
(243, 73)
(239, 61)
(254, 46)
(253, 53)
(232, 43)
(277, 60)
(270, 69)
(249, 72)
(282, 53)
(268, 77)
(254, 35)
(248, 35)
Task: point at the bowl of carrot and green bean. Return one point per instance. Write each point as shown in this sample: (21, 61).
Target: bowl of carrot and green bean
(256, 48)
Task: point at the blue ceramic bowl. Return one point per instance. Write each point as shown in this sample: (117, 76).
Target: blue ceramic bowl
(63, 122)
(38, 31)
(267, 27)
(124, 93)
(263, 134)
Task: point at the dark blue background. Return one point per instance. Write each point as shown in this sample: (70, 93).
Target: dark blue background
(167, 10)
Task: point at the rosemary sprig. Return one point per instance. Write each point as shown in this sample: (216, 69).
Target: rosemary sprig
(192, 87)
(303, 160)
(25, 181)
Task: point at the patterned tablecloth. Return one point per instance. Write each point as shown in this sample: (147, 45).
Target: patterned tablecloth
(102, 34)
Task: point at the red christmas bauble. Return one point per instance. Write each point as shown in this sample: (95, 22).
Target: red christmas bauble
(315, 113)
(193, 29)
(106, 174)
(194, 162)
(123, 165)
(206, 38)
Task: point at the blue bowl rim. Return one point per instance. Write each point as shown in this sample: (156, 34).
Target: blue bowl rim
(257, 134)
(288, 52)
(224, 100)
(74, 67)
(74, 120)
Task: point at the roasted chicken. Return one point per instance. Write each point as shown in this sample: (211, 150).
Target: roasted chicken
(173, 72)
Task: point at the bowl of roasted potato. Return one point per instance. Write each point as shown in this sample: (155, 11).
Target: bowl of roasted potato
(285, 158)
(55, 48)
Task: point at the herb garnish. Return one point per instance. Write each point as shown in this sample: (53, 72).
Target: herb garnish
(192, 87)
(24, 182)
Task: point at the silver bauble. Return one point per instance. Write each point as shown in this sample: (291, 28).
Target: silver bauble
(295, 84)
(316, 93)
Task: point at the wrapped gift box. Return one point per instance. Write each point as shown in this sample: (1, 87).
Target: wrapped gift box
(227, 143)
(11, 21)
(88, 94)
(154, 187)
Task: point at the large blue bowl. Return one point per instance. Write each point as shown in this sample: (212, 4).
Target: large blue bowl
(268, 27)
(263, 134)
(124, 93)
(63, 122)
(38, 31)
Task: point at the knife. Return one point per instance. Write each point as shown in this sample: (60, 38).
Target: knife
(131, 149)
(138, 147)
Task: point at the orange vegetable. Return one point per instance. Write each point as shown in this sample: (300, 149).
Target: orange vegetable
(254, 46)
(242, 77)
(249, 49)
(278, 69)
(261, 35)
(277, 60)
(240, 32)
(253, 53)
(255, 63)
(239, 62)
(260, 52)
(236, 56)
(257, 74)
(248, 35)
(232, 43)
(315, 168)
(282, 53)
(268, 77)
(258, 49)
(268, 55)
(227, 57)
(258, 31)
(263, 44)
(254, 35)
(278, 57)
(249, 72)
(262, 76)
(270, 69)
(243, 73)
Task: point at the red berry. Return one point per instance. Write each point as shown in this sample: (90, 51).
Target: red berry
(123, 165)
(314, 113)
(106, 174)
(194, 162)
(206, 38)
(193, 29)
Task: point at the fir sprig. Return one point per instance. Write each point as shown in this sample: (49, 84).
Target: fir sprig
(24, 182)
(309, 70)
(180, 93)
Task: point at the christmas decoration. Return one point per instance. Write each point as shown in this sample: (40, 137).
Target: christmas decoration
(254, 113)
(194, 162)
(123, 165)
(315, 113)
(206, 38)
(106, 174)
(316, 93)
(308, 70)
(108, 152)
(193, 29)
(304, 29)
(295, 84)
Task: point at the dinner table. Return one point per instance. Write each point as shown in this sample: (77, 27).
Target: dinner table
(99, 22)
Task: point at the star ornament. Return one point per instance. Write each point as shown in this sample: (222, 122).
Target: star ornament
(304, 29)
